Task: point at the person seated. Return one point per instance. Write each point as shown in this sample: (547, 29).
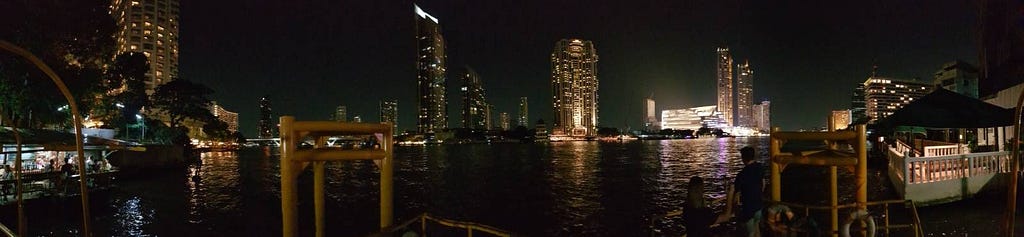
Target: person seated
(697, 216)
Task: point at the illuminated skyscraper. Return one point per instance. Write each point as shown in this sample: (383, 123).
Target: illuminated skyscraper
(228, 117)
(149, 27)
(883, 96)
(266, 126)
(524, 116)
(430, 74)
(840, 119)
(574, 88)
(505, 121)
(724, 70)
(389, 112)
(763, 116)
(474, 102)
(650, 117)
(340, 114)
(744, 95)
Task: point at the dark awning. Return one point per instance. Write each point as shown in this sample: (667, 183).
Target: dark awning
(946, 109)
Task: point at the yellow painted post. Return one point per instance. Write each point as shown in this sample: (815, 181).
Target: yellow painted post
(862, 167)
(385, 179)
(833, 195)
(318, 196)
(776, 179)
(289, 196)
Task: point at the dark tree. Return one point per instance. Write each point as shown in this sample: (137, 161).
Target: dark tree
(181, 99)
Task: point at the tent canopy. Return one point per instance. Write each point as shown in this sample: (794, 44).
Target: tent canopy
(946, 109)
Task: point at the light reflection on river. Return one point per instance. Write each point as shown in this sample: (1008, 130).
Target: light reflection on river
(557, 189)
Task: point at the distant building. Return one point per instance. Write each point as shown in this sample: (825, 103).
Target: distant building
(505, 123)
(724, 71)
(883, 96)
(357, 119)
(474, 102)
(858, 108)
(959, 77)
(840, 119)
(151, 28)
(389, 113)
(340, 114)
(488, 118)
(692, 118)
(650, 116)
(744, 95)
(432, 114)
(574, 86)
(228, 117)
(266, 125)
(524, 113)
(762, 116)
(541, 133)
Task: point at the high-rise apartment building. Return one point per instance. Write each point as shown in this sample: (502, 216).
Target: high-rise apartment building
(265, 126)
(474, 102)
(958, 76)
(762, 116)
(149, 27)
(432, 106)
(650, 116)
(389, 113)
(505, 122)
(340, 114)
(744, 95)
(574, 88)
(724, 72)
(840, 119)
(524, 113)
(858, 108)
(883, 96)
(228, 117)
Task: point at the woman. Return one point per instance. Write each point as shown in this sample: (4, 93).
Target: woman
(697, 216)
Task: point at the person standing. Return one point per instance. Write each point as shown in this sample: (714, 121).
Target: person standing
(749, 185)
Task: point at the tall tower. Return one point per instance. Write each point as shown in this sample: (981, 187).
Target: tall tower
(389, 113)
(724, 69)
(650, 117)
(340, 114)
(574, 88)
(524, 113)
(504, 121)
(744, 95)
(430, 74)
(474, 102)
(265, 125)
(149, 27)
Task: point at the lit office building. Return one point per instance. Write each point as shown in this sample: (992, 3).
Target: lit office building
(650, 116)
(724, 72)
(389, 113)
(858, 108)
(504, 121)
(840, 119)
(959, 77)
(340, 114)
(692, 118)
(762, 116)
(228, 117)
(883, 96)
(574, 88)
(266, 126)
(524, 113)
(432, 114)
(744, 95)
(474, 104)
(149, 27)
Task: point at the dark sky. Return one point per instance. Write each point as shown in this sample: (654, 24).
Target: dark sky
(311, 56)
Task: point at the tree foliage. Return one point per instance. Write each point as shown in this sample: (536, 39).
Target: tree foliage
(182, 99)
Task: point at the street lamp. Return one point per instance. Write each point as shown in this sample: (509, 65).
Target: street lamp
(138, 118)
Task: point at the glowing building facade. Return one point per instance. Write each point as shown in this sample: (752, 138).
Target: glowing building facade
(724, 75)
(340, 114)
(432, 114)
(574, 88)
(149, 27)
(389, 113)
(265, 126)
(474, 102)
(524, 113)
(228, 117)
(840, 119)
(744, 95)
(692, 118)
(883, 96)
(762, 116)
(650, 116)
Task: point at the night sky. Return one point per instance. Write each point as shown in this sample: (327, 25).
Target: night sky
(311, 56)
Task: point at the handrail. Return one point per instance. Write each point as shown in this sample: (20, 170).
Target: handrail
(470, 227)
(75, 115)
(6, 231)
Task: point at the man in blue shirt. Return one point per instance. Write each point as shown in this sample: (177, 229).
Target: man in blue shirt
(749, 183)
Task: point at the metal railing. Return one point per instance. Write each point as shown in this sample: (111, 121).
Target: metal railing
(470, 227)
(912, 170)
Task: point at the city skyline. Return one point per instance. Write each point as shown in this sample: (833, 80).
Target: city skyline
(666, 52)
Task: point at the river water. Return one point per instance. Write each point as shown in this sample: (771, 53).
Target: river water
(556, 189)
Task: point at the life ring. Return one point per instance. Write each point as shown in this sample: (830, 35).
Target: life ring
(859, 215)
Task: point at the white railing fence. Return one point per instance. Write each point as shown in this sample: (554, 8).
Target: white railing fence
(940, 168)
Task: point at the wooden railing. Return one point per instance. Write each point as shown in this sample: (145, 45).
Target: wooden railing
(913, 170)
(946, 150)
